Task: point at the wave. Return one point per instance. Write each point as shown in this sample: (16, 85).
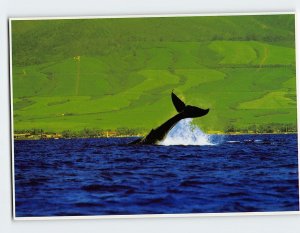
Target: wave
(185, 133)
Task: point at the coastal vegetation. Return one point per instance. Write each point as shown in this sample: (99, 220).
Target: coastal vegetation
(129, 132)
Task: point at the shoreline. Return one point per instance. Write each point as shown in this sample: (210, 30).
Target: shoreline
(57, 136)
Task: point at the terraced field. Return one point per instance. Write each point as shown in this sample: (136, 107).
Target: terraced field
(119, 73)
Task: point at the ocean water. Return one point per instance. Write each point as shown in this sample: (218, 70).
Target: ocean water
(218, 174)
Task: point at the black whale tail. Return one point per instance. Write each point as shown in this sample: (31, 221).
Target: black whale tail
(187, 111)
(184, 111)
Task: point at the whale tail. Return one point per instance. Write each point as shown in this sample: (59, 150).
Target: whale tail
(184, 111)
(187, 111)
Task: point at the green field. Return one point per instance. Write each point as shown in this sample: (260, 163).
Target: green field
(241, 67)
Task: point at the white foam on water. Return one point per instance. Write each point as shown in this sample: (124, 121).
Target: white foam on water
(185, 133)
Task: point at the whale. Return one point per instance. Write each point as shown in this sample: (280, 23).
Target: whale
(183, 111)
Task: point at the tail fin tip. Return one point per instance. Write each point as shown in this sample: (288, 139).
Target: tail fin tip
(178, 103)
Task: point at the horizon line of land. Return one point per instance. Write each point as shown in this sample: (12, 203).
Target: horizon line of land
(113, 134)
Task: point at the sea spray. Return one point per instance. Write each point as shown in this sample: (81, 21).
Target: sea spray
(185, 133)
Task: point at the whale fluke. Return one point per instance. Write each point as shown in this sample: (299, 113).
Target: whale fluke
(184, 111)
(178, 103)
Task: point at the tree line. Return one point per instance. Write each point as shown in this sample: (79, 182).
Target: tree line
(130, 132)
(84, 133)
(265, 128)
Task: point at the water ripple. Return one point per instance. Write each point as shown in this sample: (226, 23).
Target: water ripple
(103, 177)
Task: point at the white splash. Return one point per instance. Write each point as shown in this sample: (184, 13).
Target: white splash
(185, 133)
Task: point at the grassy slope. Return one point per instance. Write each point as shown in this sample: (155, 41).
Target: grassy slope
(243, 68)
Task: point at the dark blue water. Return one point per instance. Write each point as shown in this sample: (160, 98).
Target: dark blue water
(246, 173)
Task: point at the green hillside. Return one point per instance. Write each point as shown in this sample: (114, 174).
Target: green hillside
(119, 73)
